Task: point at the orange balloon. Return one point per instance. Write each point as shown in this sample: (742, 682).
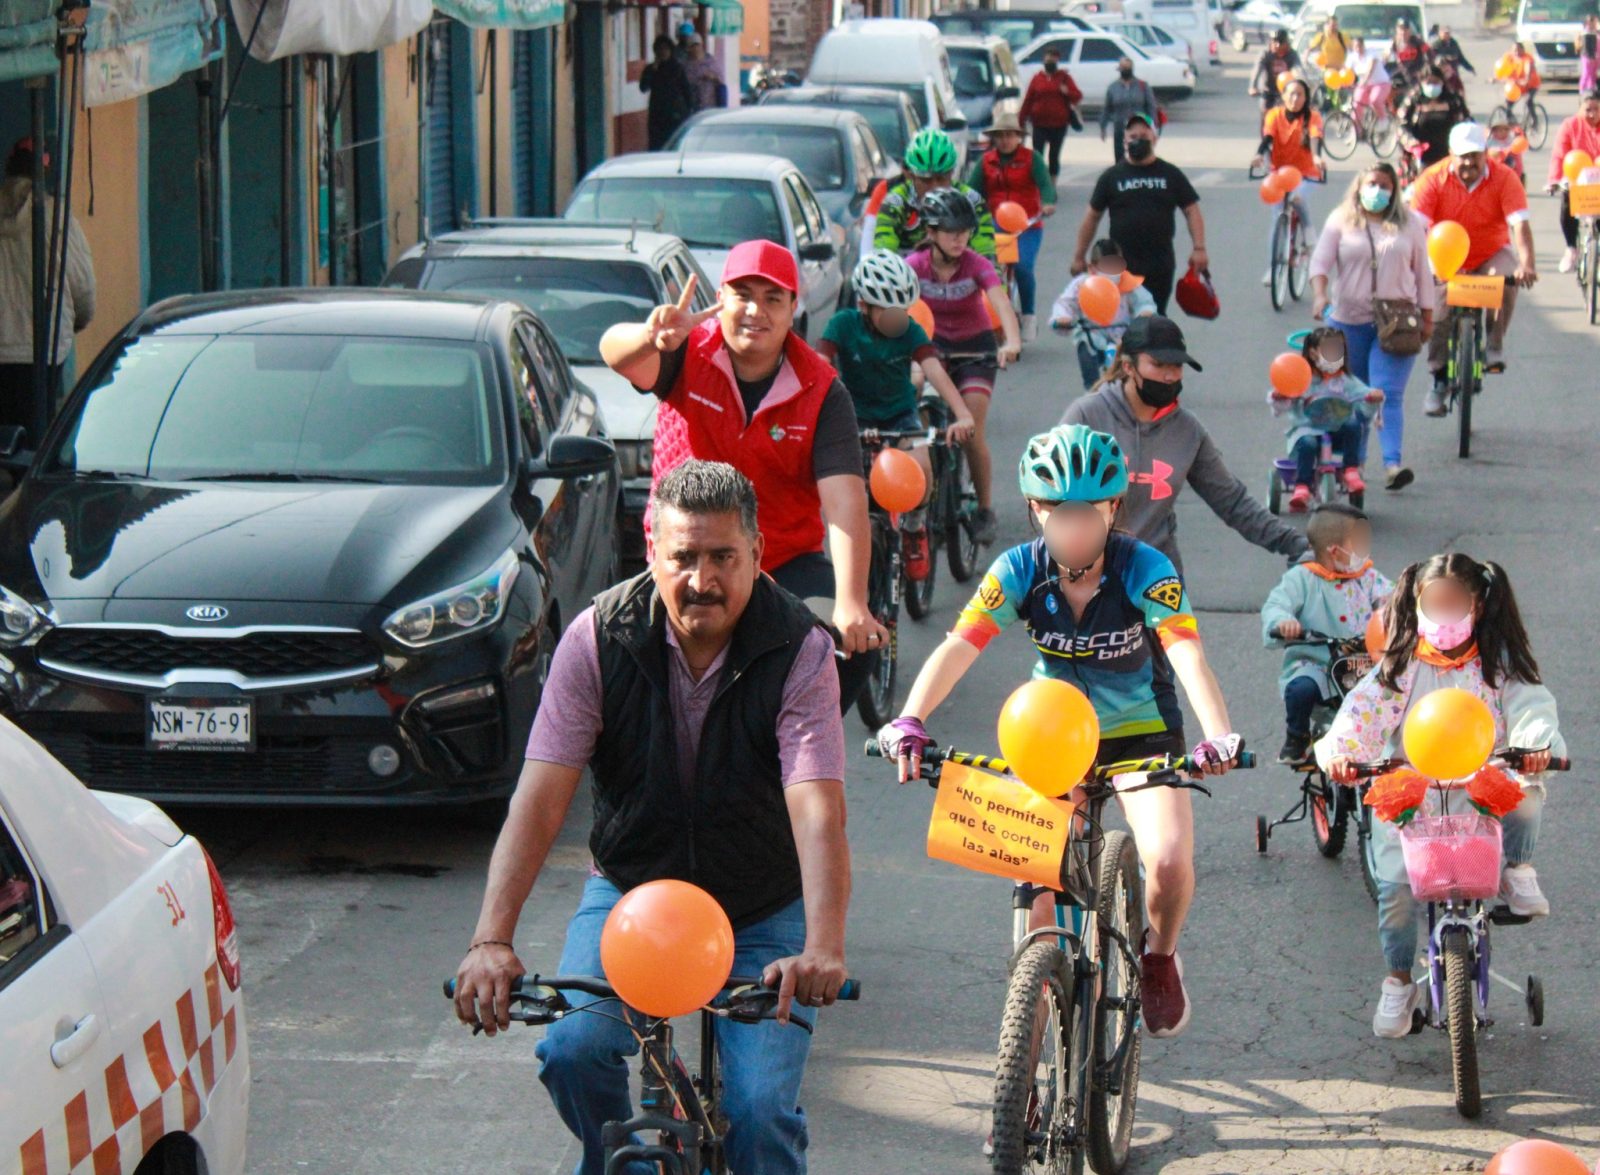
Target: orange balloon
(1049, 734)
(1271, 192)
(1574, 164)
(1536, 1156)
(1448, 245)
(1448, 734)
(1502, 69)
(1128, 282)
(1099, 299)
(897, 482)
(922, 314)
(1283, 80)
(667, 948)
(1288, 178)
(1513, 91)
(1519, 144)
(1011, 216)
(1377, 638)
(1290, 374)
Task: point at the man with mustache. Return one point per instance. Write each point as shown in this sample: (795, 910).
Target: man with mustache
(699, 696)
(738, 384)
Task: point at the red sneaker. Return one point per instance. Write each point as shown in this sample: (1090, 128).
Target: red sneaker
(914, 554)
(1300, 500)
(1353, 481)
(1161, 994)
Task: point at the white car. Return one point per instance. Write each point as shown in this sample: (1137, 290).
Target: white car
(1151, 37)
(1092, 59)
(121, 1018)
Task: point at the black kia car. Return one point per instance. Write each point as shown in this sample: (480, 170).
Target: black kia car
(305, 546)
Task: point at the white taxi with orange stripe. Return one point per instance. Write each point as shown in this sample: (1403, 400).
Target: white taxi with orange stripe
(121, 1019)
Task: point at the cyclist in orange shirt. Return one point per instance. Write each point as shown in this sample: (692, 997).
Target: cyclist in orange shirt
(1291, 136)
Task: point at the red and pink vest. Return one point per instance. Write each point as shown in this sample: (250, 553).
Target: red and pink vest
(1012, 180)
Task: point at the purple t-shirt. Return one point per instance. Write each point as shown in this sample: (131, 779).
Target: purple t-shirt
(810, 732)
(958, 305)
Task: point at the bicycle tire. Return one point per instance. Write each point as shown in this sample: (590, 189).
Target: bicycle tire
(1299, 261)
(1330, 818)
(1339, 135)
(918, 593)
(1504, 111)
(1039, 984)
(1110, 1120)
(875, 702)
(1591, 252)
(1461, 1020)
(1385, 136)
(961, 548)
(1464, 380)
(1538, 128)
(1278, 262)
(1369, 863)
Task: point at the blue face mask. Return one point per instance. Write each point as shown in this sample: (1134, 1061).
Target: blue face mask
(1375, 197)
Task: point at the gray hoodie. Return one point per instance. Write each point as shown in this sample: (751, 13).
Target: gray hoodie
(1162, 455)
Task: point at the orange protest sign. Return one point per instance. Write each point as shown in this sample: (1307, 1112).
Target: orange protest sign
(996, 824)
(1486, 293)
(1584, 199)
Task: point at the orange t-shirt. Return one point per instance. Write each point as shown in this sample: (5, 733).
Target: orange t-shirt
(1486, 212)
(1522, 70)
(1291, 145)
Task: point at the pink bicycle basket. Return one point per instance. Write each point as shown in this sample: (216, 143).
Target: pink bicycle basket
(1454, 857)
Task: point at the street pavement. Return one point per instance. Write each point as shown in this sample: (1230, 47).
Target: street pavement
(350, 920)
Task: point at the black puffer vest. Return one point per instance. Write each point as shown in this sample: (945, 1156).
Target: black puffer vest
(728, 830)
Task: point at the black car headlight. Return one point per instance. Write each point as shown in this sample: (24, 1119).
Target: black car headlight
(468, 607)
(20, 621)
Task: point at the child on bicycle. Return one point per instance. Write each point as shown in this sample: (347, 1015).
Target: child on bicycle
(1108, 614)
(956, 284)
(1311, 415)
(1096, 343)
(1291, 136)
(1334, 596)
(874, 346)
(1502, 137)
(1452, 622)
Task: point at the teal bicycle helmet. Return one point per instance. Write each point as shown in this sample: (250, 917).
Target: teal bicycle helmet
(931, 152)
(1073, 463)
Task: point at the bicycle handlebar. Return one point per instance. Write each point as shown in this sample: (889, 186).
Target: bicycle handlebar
(1512, 757)
(1164, 770)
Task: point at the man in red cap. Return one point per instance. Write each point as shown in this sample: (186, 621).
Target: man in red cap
(737, 384)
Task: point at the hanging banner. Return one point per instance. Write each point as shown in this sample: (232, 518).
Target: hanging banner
(996, 824)
(504, 14)
(136, 46)
(282, 28)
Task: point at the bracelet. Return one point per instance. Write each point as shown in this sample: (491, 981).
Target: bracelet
(490, 942)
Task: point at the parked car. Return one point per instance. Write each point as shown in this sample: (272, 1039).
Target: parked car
(1155, 39)
(1189, 20)
(580, 279)
(891, 113)
(305, 546)
(904, 55)
(1092, 58)
(1017, 25)
(985, 75)
(120, 988)
(834, 149)
(1254, 22)
(715, 201)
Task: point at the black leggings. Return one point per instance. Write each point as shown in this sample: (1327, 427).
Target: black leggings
(810, 577)
(1569, 222)
(1047, 141)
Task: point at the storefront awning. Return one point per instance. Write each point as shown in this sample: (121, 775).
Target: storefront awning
(504, 14)
(274, 29)
(724, 17)
(27, 38)
(136, 46)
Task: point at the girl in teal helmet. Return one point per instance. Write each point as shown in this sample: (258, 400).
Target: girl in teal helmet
(1108, 614)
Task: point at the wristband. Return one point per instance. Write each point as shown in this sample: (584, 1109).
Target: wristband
(490, 942)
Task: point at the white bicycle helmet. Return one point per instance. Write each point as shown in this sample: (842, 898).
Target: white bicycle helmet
(884, 279)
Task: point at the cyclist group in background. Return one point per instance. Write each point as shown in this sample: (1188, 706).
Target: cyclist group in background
(752, 417)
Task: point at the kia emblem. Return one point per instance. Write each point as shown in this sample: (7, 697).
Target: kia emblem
(207, 613)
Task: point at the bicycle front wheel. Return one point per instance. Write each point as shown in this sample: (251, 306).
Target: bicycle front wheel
(1538, 128)
(1114, 1092)
(1339, 134)
(1031, 1072)
(1465, 381)
(875, 702)
(1462, 1020)
(1590, 259)
(1369, 851)
(1384, 135)
(960, 504)
(1278, 281)
(1299, 261)
(1329, 817)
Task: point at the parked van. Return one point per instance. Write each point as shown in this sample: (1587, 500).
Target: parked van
(892, 54)
(1553, 30)
(1372, 22)
(1188, 20)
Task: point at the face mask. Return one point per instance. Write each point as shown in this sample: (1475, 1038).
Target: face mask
(1431, 89)
(1348, 562)
(1328, 364)
(1140, 149)
(1375, 197)
(1448, 634)
(1160, 393)
(1126, 73)
(1050, 67)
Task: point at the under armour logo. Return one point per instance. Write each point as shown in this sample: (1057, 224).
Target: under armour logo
(1156, 479)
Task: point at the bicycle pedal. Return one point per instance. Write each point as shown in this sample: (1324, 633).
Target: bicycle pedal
(1502, 916)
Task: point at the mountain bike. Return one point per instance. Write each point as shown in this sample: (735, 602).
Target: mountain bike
(1464, 361)
(1340, 131)
(683, 1111)
(1587, 271)
(1453, 864)
(955, 501)
(1535, 119)
(1067, 1070)
(1289, 255)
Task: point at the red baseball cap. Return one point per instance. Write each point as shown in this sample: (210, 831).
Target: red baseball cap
(763, 259)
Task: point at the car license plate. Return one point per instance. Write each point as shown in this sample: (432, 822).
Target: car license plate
(201, 725)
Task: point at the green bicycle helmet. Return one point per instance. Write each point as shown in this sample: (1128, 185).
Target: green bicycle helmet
(931, 152)
(1073, 463)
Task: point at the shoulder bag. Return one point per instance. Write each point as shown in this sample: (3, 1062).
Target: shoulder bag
(1399, 320)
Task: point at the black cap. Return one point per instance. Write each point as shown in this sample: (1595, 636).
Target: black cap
(1280, 36)
(1160, 338)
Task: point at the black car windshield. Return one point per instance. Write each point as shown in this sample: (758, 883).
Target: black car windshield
(712, 212)
(578, 299)
(815, 150)
(180, 407)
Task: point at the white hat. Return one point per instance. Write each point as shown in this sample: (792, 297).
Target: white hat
(1467, 138)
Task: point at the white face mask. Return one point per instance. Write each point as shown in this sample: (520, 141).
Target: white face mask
(1348, 562)
(1328, 366)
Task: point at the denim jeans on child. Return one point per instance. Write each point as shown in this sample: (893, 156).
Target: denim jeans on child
(1376, 368)
(1091, 364)
(1300, 697)
(1347, 445)
(1027, 257)
(584, 1058)
(1399, 912)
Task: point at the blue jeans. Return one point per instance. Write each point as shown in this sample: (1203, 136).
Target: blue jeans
(1398, 911)
(1300, 697)
(584, 1058)
(1376, 368)
(1028, 253)
(1091, 364)
(1347, 445)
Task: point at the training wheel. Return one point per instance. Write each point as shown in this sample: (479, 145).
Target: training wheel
(1535, 1001)
(1263, 831)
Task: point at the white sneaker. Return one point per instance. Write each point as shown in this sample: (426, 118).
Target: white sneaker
(1266, 278)
(1433, 402)
(1519, 890)
(1030, 328)
(1396, 1005)
(1569, 260)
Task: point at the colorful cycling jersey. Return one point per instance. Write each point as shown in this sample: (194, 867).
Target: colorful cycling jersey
(1116, 653)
